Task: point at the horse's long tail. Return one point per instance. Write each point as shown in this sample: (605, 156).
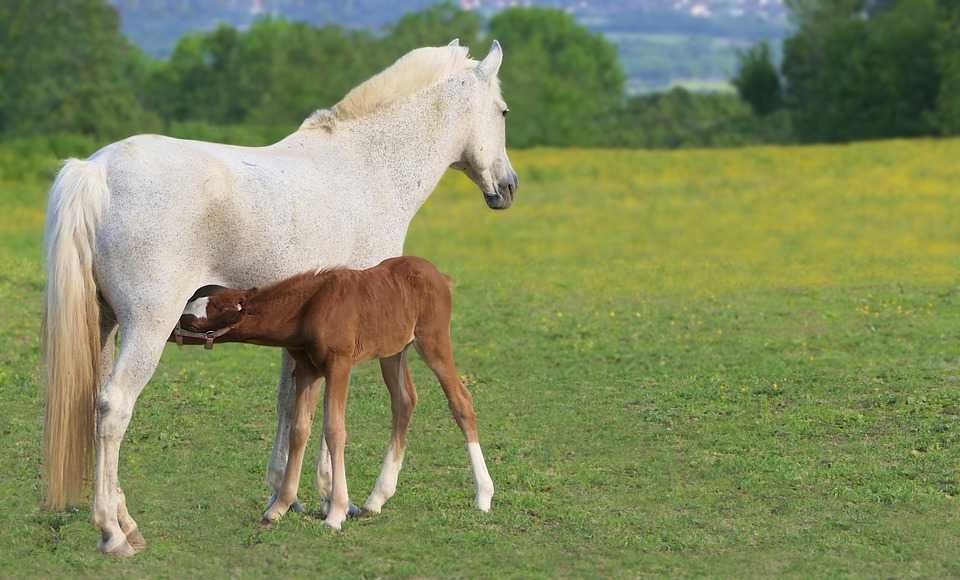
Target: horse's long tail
(71, 328)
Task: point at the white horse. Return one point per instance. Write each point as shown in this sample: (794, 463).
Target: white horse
(135, 229)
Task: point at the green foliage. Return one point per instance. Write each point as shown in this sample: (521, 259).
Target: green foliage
(852, 70)
(277, 72)
(435, 26)
(854, 78)
(757, 80)
(561, 79)
(680, 118)
(947, 115)
(37, 157)
(63, 67)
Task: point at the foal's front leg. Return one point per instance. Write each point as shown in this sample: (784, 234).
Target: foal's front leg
(305, 404)
(335, 432)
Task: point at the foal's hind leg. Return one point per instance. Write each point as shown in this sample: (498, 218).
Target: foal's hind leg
(434, 346)
(305, 403)
(403, 399)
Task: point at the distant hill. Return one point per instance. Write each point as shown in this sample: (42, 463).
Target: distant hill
(662, 42)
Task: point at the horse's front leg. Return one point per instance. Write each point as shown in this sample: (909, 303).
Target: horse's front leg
(277, 464)
(305, 403)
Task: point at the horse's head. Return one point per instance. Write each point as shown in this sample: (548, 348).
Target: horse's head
(485, 158)
(214, 312)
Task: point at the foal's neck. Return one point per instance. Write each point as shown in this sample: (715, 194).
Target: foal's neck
(272, 314)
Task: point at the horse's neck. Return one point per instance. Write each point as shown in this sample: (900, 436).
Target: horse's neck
(406, 149)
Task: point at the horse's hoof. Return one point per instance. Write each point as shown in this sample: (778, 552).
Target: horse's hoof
(122, 549)
(333, 524)
(297, 507)
(136, 540)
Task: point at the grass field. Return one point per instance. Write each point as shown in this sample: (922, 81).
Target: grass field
(726, 363)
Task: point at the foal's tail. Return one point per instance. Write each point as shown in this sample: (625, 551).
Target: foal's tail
(71, 328)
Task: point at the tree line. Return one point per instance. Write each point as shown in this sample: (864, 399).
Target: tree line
(861, 69)
(853, 69)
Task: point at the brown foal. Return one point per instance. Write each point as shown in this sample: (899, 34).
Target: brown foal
(329, 321)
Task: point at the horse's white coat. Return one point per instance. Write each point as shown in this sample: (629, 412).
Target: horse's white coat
(341, 190)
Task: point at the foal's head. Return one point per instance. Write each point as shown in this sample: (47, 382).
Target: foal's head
(214, 312)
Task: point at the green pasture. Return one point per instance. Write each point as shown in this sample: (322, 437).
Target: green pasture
(738, 363)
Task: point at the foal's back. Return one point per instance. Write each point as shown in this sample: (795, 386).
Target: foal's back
(376, 312)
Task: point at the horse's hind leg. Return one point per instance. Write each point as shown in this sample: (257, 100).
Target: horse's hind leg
(305, 403)
(277, 464)
(434, 346)
(142, 341)
(403, 399)
(108, 342)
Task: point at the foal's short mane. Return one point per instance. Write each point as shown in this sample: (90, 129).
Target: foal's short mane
(413, 72)
(303, 281)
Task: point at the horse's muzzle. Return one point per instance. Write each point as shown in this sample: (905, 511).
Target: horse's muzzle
(505, 193)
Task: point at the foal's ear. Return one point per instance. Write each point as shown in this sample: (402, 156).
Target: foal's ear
(490, 65)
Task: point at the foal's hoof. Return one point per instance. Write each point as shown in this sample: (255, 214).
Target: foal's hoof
(296, 506)
(354, 512)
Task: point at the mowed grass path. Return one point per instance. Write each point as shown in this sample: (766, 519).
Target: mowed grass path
(719, 363)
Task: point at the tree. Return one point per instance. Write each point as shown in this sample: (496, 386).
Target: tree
(67, 69)
(559, 79)
(947, 114)
(435, 26)
(871, 74)
(757, 80)
(276, 72)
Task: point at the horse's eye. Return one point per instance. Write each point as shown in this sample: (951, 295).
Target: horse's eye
(505, 111)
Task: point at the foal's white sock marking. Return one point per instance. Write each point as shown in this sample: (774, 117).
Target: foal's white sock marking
(386, 484)
(481, 478)
(197, 308)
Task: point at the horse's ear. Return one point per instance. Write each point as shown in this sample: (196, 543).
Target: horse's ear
(454, 42)
(490, 65)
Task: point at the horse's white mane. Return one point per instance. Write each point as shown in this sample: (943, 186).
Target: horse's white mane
(413, 72)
